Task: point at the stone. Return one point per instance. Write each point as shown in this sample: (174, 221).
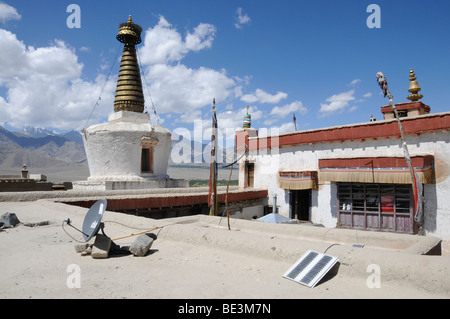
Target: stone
(36, 224)
(79, 248)
(101, 246)
(118, 250)
(9, 220)
(87, 251)
(141, 245)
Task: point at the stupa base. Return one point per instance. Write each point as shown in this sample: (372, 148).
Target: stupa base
(128, 185)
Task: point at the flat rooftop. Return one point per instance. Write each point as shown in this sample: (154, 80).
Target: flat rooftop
(196, 257)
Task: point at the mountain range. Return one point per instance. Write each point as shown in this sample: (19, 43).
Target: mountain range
(31, 131)
(62, 156)
(40, 150)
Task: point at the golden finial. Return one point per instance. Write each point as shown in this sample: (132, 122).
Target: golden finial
(414, 87)
(247, 119)
(129, 32)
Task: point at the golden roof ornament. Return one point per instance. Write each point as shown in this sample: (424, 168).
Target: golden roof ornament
(414, 88)
(247, 120)
(129, 32)
(129, 95)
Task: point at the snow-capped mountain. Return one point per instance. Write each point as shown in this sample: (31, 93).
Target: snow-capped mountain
(38, 132)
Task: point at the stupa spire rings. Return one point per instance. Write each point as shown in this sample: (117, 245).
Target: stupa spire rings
(129, 93)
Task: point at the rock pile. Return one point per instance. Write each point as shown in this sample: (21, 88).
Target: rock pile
(103, 246)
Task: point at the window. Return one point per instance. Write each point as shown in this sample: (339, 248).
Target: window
(402, 113)
(376, 206)
(147, 160)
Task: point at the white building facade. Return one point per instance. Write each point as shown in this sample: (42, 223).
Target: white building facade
(356, 176)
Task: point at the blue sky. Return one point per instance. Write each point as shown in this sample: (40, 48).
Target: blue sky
(315, 58)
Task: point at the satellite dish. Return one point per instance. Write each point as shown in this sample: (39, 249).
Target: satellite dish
(92, 221)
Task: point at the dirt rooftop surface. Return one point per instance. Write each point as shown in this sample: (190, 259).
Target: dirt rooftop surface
(197, 257)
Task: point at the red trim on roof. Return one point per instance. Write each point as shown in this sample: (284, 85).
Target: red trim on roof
(359, 132)
(406, 106)
(173, 199)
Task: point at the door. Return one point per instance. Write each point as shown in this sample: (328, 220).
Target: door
(300, 204)
(250, 171)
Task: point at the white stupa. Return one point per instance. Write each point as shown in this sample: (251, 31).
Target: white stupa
(128, 152)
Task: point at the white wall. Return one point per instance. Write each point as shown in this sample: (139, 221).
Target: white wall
(114, 149)
(324, 201)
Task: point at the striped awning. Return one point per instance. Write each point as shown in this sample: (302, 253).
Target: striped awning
(391, 170)
(298, 180)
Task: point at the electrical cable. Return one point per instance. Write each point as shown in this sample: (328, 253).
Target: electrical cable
(331, 246)
(62, 226)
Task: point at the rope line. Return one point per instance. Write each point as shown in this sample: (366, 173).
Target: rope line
(148, 91)
(103, 88)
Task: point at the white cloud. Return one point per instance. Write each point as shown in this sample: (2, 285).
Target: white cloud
(241, 18)
(275, 130)
(189, 117)
(231, 120)
(175, 87)
(369, 94)
(338, 102)
(8, 13)
(263, 97)
(164, 44)
(54, 95)
(181, 89)
(64, 63)
(202, 37)
(228, 122)
(13, 60)
(355, 82)
(235, 119)
(283, 111)
(18, 61)
(287, 127)
(85, 49)
(47, 94)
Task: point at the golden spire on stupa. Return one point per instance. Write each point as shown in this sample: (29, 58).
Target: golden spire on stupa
(129, 94)
(414, 88)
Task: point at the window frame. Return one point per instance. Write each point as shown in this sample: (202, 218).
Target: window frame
(384, 207)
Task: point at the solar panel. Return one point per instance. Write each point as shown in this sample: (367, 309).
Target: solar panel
(310, 268)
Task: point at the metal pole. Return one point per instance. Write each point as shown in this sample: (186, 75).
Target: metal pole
(405, 151)
(274, 209)
(384, 86)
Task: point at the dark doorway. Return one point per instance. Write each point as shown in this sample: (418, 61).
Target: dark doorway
(147, 160)
(250, 172)
(300, 204)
